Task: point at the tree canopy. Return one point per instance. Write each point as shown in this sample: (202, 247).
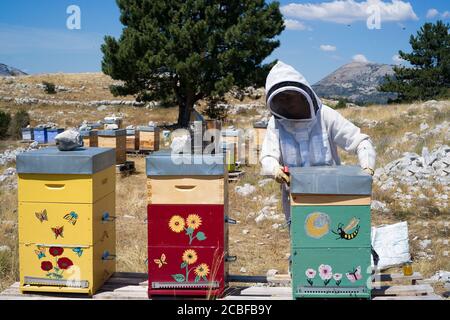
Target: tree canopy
(187, 50)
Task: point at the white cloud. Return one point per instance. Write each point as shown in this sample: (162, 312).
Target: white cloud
(432, 13)
(397, 59)
(295, 25)
(348, 11)
(327, 47)
(446, 15)
(360, 58)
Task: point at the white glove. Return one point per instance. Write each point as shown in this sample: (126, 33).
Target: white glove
(280, 176)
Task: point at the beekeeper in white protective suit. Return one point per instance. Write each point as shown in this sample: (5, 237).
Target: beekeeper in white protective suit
(303, 132)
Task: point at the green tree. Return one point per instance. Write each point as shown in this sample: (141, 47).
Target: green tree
(429, 74)
(20, 120)
(5, 119)
(187, 50)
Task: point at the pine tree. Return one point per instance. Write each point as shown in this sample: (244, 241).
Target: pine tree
(187, 50)
(429, 74)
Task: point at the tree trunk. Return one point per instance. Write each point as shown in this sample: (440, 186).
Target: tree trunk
(184, 113)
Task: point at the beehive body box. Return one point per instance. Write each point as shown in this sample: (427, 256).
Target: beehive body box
(149, 138)
(192, 194)
(116, 139)
(66, 225)
(90, 138)
(260, 133)
(330, 227)
(132, 140)
(172, 182)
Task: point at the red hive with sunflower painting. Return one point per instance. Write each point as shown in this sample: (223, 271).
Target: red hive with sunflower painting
(187, 233)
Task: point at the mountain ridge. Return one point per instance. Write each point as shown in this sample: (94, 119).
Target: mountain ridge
(356, 82)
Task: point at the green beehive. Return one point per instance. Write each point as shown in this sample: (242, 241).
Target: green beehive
(330, 232)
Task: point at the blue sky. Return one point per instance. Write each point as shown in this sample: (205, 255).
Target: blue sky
(321, 35)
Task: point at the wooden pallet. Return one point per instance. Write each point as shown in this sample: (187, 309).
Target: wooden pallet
(133, 286)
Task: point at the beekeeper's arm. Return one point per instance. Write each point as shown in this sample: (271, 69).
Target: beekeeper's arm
(271, 155)
(349, 137)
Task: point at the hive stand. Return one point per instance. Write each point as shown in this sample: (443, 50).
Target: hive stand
(133, 286)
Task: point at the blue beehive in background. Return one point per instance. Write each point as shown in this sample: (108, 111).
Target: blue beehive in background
(52, 133)
(27, 134)
(40, 135)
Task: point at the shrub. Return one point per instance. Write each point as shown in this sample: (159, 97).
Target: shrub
(5, 120)
(49, 87)
(20, 120)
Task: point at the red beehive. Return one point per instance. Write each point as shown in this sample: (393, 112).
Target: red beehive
(187, 229)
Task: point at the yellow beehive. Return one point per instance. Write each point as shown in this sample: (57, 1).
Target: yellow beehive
(260, 132)
(132, 140)
(149, 138)
(66, 219)
(116, 139)
(90, 138)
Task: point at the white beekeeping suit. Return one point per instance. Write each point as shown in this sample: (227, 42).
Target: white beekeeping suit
(304, 132)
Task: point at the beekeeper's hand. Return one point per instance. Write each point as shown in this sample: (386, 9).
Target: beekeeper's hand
(369, 171)
(280, 176)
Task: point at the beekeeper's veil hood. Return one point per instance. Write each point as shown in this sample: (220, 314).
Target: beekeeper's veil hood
(289, 96)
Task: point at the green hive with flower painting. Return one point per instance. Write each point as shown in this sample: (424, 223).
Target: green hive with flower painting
(330, 232)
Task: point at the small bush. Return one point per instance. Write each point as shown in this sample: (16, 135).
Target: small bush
(5, 120)
(20, 120)
(49, 87)
(341, 104)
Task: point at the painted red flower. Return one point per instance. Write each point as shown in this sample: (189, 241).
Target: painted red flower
(64, 263)
(56, 251)
(46, 265)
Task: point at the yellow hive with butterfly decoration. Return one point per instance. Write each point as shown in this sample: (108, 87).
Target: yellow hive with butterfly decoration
(66, 219)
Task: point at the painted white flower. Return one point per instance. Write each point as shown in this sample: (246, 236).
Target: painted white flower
(310, 273)
(337, 276)
(325, 272)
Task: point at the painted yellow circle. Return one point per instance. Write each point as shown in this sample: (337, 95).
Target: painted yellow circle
(317, 224)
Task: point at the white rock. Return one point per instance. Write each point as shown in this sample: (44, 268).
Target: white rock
(5, 249)
(263, 182)
(379, 206)
(243, 270)
(245, 190)
(68, 140)
(425, 243)
(441, 276)
(245, 231)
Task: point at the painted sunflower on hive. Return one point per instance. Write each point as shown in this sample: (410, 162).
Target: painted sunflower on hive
(202, 270)
(176, 224)
(194, 221)
(190, 256)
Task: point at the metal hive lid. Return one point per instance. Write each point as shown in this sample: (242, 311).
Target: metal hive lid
(344, 180)
(164, 163)
(52, 161)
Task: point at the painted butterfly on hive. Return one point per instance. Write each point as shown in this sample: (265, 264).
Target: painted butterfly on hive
(40, 252)
(354, 275)
(78, 251)
(71, 217)
(161, 262)
(58, 232)
(42, 216)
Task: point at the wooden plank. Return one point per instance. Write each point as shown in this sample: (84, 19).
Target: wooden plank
(329, 200)
(397, 277)
(121, 296)
(426, 297)
(405, 290)
(186, 190)
(280, 279)
(267, 291)
(256, 298)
